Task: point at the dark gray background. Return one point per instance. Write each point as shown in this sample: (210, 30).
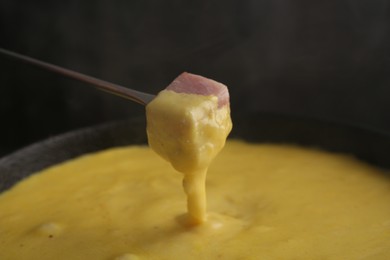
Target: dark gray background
(326, 59)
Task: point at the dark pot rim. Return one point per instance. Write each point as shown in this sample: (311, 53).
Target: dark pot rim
(365, 143)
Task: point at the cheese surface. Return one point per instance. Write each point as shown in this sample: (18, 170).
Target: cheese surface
(264, 201)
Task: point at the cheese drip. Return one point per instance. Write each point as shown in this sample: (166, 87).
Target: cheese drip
(188, 130)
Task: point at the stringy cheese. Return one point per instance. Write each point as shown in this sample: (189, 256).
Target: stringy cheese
(188, 130)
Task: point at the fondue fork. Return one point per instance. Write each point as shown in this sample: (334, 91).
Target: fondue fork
(128, 93)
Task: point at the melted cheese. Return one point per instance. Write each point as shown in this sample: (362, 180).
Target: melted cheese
(188, 131)
(265, 202)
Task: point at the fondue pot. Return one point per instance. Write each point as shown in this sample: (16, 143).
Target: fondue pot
(366, 144)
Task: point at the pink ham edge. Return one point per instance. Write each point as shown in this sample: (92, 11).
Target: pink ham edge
(194, 84)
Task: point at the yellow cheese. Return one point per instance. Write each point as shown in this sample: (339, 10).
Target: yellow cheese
(188, 130)
(265, 202)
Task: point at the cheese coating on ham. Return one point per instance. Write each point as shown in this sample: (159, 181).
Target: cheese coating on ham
(194, 84)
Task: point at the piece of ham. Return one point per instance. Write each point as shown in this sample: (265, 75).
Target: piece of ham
(194, 84)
